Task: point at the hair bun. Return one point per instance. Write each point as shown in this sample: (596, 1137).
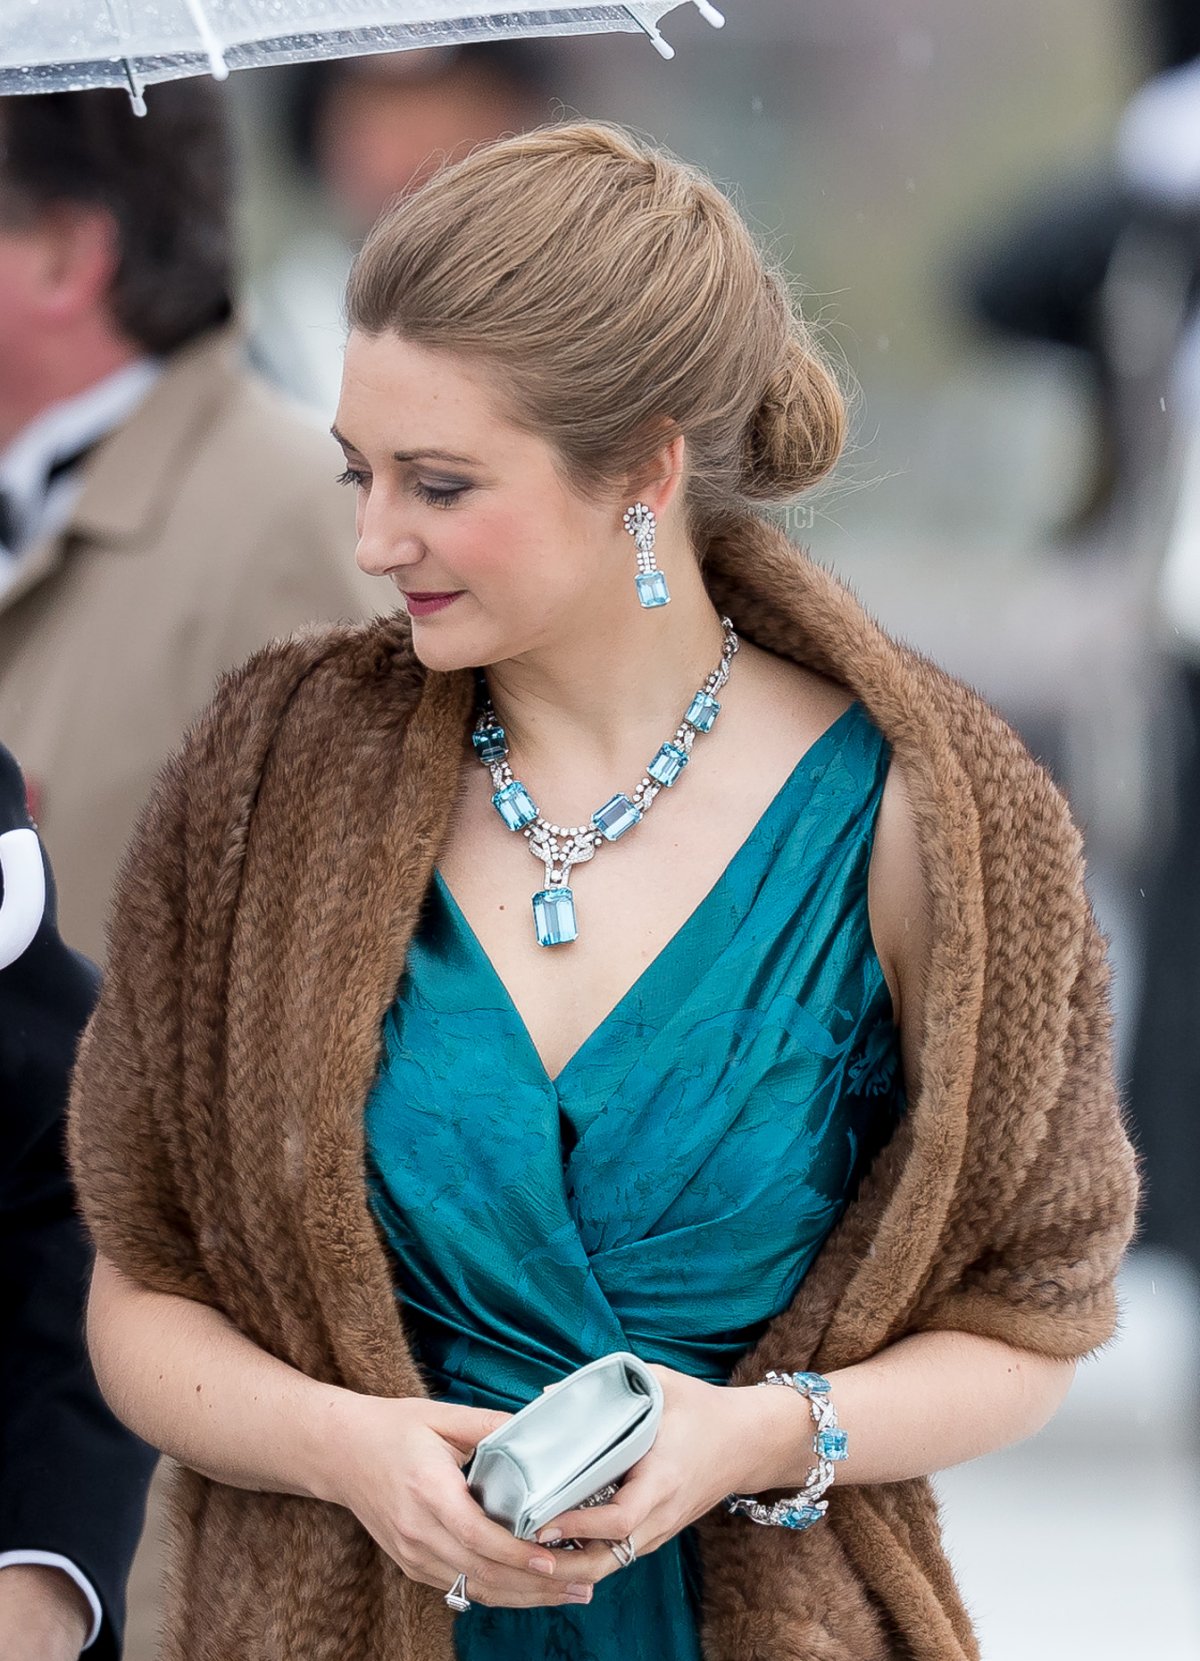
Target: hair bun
(700, 328)
(796, 433)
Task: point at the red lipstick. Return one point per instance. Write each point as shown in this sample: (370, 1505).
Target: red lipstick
(423, 605)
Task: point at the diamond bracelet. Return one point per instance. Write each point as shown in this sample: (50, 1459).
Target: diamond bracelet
(829, 1445)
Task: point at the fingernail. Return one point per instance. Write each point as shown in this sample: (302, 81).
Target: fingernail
(548, 1534)
(543, 1565)
(578, 1590)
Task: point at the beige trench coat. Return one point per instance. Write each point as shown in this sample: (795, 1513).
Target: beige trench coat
(208, 523)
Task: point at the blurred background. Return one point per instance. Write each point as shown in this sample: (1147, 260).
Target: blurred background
(994, 215)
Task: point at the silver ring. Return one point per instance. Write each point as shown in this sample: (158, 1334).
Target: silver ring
(457, 1597)
(623, 1550)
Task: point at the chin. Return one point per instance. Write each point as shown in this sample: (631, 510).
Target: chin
(470, 643)
(435, 654)
(445, 650)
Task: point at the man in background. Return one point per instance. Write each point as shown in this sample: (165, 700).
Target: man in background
(73, 1479)
(363, 131)
(162, 512)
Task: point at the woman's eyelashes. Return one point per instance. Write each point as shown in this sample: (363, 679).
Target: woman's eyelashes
(440, 498)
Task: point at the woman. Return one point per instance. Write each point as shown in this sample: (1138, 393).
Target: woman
(381, 1126)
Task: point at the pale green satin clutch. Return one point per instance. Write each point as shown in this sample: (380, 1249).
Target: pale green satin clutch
(569, 1446)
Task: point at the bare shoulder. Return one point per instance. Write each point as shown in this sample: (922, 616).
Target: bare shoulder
(898, 901)
(789, 697)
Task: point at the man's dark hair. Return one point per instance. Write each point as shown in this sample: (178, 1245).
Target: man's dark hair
(167, 179)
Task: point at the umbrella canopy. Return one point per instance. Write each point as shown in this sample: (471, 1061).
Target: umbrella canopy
(66, 45)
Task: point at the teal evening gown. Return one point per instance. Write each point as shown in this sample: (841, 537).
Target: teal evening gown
(667, 1192)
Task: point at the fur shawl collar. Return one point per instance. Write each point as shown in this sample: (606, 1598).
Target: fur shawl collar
(259, 929)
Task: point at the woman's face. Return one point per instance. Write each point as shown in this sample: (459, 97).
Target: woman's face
(491, 517)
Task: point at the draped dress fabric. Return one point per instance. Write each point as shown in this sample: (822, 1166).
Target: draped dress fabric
(667, 1191)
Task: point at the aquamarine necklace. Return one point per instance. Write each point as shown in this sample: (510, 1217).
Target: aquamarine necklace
(561, 846)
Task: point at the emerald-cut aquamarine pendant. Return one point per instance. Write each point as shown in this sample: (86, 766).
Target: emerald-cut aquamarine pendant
(554, 916)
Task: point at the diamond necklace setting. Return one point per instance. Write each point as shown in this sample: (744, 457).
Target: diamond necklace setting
(560, 847)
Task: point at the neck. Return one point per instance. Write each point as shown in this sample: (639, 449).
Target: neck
(62, 369)
(587, 713)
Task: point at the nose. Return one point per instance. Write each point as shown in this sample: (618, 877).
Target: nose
(383, 543)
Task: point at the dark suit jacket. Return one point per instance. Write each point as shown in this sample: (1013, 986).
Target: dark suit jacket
(73, 1479)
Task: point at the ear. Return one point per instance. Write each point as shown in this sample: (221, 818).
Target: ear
(79, 253)
(657, 481)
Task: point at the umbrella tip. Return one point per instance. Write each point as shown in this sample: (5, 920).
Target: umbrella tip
(710, 14)
(134, 85)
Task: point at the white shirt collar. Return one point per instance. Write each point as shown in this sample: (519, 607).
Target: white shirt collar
(61, 430)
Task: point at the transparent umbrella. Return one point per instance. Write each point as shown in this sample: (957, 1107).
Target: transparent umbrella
(60, 45)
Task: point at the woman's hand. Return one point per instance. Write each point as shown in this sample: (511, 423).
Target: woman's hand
(396, 1463)
(709, 1444)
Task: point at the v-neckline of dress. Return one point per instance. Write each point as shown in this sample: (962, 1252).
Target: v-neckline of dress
(660, 959)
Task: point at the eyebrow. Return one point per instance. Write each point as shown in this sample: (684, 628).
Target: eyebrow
(412, 455)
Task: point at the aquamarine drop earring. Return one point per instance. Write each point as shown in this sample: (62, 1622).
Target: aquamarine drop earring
(651, 584)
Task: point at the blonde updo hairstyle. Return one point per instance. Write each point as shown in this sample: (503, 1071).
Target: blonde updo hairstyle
(610, 287)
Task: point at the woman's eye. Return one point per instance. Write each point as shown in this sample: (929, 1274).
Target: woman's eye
(439, 498)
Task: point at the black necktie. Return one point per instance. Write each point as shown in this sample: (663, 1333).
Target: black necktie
(10, 525)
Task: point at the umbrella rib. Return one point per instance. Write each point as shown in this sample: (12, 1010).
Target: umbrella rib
(661, 46)
(218, 68)
(708, 12)
(135, 83)
(137, 88)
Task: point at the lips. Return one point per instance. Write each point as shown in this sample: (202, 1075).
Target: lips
(441, 594)
(429, 605)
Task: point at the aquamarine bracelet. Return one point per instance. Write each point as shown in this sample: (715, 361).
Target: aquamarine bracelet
(829, 1444)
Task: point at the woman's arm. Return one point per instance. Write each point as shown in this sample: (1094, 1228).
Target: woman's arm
(186, 1380)
(181, 1375)
(928, 1401)
(932, 1399)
